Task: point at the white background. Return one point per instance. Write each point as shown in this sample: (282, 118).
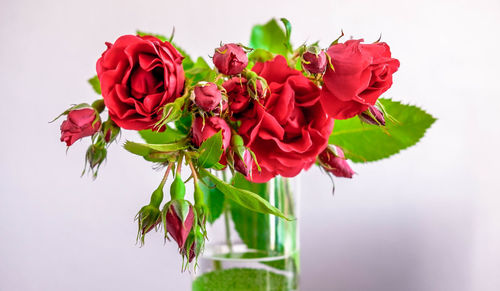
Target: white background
(426, 219)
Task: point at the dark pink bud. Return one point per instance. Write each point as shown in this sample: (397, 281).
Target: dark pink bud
(333, 161)
(80, 123)
(230, 59)
(179, 222)
(202, 131)
(207, 96)
(372, 115)
(243, 166)
(314, 60)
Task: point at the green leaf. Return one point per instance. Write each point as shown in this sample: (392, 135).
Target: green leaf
(288, 33)
(270, 37)
(96, 85)
(155, 152)
(169, 135)
(158, 36)
(210, 151)
(214, 199)
(184, 123)
(252, 227)
(363, 142)
(259, 55)
(243, 197)
(200, 71)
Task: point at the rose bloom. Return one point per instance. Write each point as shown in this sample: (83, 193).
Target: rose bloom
(207, 96)
(139, 75)
(80, 123)
(362, 72)
(289, 127)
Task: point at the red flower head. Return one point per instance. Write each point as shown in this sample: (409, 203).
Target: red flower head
(288, 128)
(230, 59)
(80, 123)
(139, 75)
(362, 72)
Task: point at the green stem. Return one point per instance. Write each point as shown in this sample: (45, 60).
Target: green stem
(227, 225)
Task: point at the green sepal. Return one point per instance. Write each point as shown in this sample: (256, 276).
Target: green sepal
(172, 111)
(211, 151)
(338, 38)
(244, 198)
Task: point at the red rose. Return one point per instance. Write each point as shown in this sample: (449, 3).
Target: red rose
(138, 75)
(230, 59)
(80, 123)
(176, 227)
(362, 73)
(290, 128)
(202, 131)
(207, 96)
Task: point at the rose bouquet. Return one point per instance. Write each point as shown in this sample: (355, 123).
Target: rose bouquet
(264, 110)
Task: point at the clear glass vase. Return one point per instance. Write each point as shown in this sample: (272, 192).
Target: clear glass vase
(253, 251)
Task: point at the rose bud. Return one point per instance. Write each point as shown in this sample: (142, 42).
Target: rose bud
(333, 160)
(207, 96)
(205, 128)
(243, 166)
(80, 123)
(195, 243)
(230, 59)
(110, 130)
(314, 60)
(148, 217)
(372, 115)
(178, 219)
(95, 156)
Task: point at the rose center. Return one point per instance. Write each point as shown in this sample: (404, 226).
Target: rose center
(144, 83)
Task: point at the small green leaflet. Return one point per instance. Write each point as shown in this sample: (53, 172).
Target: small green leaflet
(366, 143)
(172, 111)
(270, 37)
(214, 199)
(210, 151)
(244, 198)
(96, 85)
(169, 135)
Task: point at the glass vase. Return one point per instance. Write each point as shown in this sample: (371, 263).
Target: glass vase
(253, 251)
